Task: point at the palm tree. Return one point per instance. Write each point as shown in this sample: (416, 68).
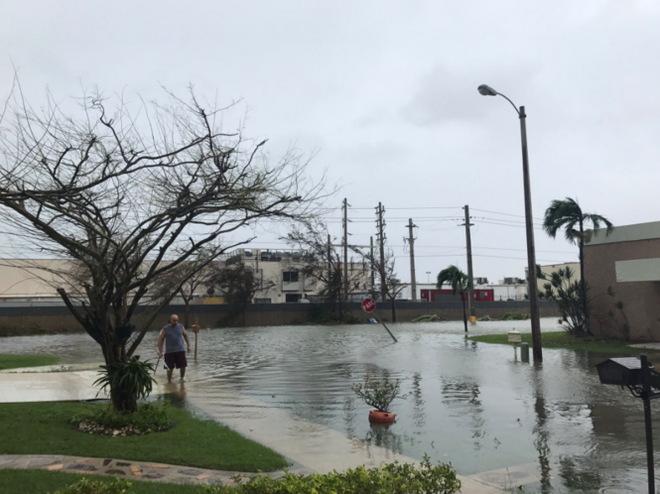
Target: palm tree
(459, 284)
(568, 214)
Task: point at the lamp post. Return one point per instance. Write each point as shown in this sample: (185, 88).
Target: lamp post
(643, 382)
(428, 276)
(529, 227)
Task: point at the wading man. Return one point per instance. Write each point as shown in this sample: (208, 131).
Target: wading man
(173, 336)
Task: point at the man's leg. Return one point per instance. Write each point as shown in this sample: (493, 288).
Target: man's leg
(183, 372)
(169, 375)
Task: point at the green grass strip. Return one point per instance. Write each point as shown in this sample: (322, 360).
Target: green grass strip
(562, 339)
(16, 361)
(44, 482)
(44, 428)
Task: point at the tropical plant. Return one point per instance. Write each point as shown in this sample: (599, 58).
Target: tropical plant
(569, 295)
(129, 380)
(459, 285)
(378, 394)
(568, 214)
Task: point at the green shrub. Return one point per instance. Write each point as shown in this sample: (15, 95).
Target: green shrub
(392, 478)
(87, 486)
(515, 316)
(427, 318)
(485, 319)
(149, 417)
(129, 380)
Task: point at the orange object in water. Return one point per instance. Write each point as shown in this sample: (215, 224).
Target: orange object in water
(381, 417)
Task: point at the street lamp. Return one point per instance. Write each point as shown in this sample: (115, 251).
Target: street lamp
(643, 382)
(428, 276)
(529, 226)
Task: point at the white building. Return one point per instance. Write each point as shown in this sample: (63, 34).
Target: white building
(283, 280)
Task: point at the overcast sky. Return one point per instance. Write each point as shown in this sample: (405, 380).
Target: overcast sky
(385, 93)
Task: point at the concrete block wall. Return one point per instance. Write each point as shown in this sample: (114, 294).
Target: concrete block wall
(44, 320)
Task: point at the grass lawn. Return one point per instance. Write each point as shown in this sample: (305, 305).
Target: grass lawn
(44, 428)
(16, 361)
(561, 339)
(43, 482)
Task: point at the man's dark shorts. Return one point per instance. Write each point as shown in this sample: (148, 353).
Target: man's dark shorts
(176, 360)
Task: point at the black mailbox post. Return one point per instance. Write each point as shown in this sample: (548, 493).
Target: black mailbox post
(643, 382)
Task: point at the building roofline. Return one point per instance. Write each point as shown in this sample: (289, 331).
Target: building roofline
(625, 233)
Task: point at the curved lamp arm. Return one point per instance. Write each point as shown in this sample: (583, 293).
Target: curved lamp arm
(486, 90)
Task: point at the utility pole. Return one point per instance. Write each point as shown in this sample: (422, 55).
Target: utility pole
(381, 244)
(411, 242)
(468, 245)
(373, 273)
(345, 207)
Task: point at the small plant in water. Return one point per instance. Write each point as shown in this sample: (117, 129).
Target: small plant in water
(379, 394)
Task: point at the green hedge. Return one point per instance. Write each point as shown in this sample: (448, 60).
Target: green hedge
(392, 478)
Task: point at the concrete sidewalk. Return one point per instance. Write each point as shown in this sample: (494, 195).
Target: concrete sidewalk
(135, 470)
(24, 387)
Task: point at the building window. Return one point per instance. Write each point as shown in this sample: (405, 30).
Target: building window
(290, 277)
(293, 297)
(262, 301)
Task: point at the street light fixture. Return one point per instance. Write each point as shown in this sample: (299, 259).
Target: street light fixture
(643, 382)
(428, 276)
(486, 90)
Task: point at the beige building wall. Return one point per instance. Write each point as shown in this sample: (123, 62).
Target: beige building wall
(548, 269)
(31, 279)
(623, 268)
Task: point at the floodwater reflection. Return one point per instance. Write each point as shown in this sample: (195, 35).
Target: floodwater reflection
(474, 405)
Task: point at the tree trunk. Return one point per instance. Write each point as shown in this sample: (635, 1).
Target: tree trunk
(115, 353)
(186, 314)
(583, 281)
(464, 312)
(393, 310)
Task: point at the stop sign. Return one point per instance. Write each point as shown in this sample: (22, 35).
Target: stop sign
(368, 305)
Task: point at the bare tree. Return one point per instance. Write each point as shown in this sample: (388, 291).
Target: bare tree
(322, 263)
(186, 281)
(132, 197)
(386, 271)
(238, 284)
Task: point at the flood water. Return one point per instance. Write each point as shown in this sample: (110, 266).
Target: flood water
(472, 404)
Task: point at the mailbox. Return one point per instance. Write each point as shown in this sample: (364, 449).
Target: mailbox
(514, 336)
(621, 371)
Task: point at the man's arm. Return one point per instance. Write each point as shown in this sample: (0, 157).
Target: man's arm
(161, 340)
(185, 335)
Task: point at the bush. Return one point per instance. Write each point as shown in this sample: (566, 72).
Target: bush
(87, 486)
(378, 394)
(515, 316)
(149, 417)
(427, 318)
(129, 380)
(392, 478)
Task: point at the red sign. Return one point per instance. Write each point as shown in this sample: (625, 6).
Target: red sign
(368, 305)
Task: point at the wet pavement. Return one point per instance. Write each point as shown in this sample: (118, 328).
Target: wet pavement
(552, 427)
